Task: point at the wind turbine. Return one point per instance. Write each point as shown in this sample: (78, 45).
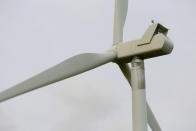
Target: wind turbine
(153, 43)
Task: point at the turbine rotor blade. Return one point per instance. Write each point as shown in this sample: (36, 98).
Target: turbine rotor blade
(121, 7)
(68, 68)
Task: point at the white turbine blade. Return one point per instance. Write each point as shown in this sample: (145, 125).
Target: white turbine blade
(154, 125)
(68, 68)
(121, 7)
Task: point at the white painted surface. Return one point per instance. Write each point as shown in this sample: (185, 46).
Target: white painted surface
(37, 34)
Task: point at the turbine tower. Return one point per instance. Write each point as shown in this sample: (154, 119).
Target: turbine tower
(153, 43)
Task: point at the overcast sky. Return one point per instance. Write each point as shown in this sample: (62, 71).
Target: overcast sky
(37, 34)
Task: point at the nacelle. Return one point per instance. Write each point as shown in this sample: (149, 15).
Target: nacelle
(154, 43)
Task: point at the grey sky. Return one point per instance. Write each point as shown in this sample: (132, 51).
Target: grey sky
(37, 34)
